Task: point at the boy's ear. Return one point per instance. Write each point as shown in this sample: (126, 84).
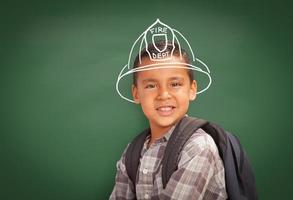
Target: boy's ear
(193, 90)
(135, 94)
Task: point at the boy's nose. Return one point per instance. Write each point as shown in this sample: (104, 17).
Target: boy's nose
(163, 94)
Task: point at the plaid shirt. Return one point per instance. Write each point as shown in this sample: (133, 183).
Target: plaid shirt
(200, 173)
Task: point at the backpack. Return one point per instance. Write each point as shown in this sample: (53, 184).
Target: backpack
(239, 177)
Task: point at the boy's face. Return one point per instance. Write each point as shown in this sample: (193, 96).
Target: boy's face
(164, 94)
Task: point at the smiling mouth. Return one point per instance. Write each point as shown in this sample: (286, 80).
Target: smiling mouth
(165, 110)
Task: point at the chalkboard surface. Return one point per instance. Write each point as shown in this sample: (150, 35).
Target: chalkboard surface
(63, 126)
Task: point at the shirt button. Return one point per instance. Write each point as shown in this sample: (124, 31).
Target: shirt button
(146, 196)
(144, 171)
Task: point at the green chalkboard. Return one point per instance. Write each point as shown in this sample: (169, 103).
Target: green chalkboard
(63, 126)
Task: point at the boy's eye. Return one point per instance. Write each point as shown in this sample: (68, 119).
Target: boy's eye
(176, 84)
(150, 85)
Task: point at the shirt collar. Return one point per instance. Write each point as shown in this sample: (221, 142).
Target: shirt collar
(164, 138)
(168, 134)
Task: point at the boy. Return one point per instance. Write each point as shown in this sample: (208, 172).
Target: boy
(164, 94)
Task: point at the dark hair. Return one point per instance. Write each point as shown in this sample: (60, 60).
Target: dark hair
(161, 44)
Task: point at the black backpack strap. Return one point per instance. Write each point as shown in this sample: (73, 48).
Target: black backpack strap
(132, 155)
(182, 132)
(219, 136)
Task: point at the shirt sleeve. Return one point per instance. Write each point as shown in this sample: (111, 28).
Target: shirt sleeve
(123, 189)
(200, 173)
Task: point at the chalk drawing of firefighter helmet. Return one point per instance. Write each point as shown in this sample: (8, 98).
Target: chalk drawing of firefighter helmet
(161, 43)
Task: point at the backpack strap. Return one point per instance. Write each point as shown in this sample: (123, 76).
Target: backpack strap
(132, 155)
(182, 132)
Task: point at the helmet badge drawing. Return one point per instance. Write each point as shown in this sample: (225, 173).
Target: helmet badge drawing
(165, 35)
